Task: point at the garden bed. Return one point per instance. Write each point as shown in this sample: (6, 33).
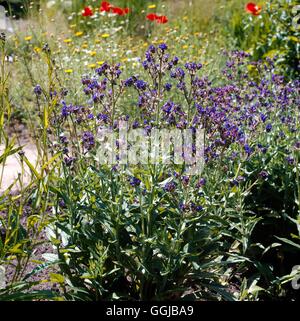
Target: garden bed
(152, 162)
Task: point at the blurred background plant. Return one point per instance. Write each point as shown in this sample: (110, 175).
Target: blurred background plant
(271, 33)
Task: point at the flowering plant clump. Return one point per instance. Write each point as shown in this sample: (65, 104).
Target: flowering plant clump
(220, 110)
(130, 230)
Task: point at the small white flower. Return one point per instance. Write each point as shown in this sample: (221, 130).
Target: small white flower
(50, 4)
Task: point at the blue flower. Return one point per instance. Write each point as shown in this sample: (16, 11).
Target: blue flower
(69, 161)
(168, 107)
(248, 149)
(135, 124)
(128, 82)
(65, 111)
(234, 182)
(192, 66)
(103, 117)
(90, 116)
(168, 87)
(185, 180)
(170, 187)
(263, 174)
(102, 69)
(179, 73)
(263, 117)
(145, 64)
(163, 47)
(268, 127)
(175, 60)
(63, 139)
(148, 56)
(88, 140)
(201, 182)
(133, 181)
(290, 160)
(37, 90)
(152, 49)
(62, 204)
(196, 208)
(140, 84)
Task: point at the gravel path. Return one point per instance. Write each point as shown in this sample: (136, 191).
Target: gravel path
(12, 167)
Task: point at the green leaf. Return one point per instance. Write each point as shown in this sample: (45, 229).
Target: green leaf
(288, 242)
(57, 278)
(39, 269)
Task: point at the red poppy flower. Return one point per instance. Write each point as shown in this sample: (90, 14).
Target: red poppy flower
(105, 6)
(253, 8)
(161, 19)
(120, 11)
(158, 19)
(87, 12)
(151, 16)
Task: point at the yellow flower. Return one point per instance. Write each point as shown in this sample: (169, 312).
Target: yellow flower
(93, 53)
(124, 59)
(28, 38)
(105, 35)
(67, 40)
(100, 62)
(37, 49)
(84, 46)
(97, 41)
(78, 33)
(68, 71)
(185, 18)
(152, 6)
(92, 65)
